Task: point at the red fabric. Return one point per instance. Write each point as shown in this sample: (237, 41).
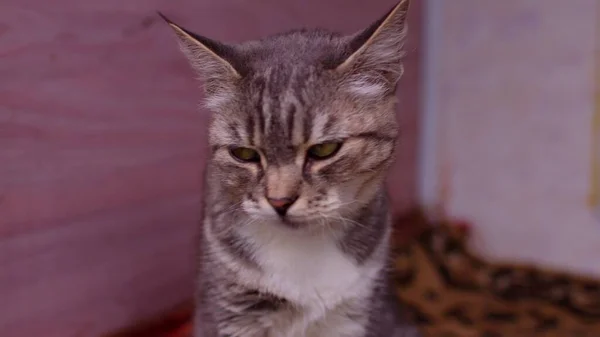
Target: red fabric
(185, 330)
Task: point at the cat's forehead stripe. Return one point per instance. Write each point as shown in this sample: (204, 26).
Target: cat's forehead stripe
(291, 116)
(279, 117)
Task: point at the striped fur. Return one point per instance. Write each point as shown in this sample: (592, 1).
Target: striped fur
(320, 270)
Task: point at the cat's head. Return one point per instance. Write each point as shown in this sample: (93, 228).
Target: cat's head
(303, 125)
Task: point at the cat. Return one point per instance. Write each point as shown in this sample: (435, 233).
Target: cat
(297, 223)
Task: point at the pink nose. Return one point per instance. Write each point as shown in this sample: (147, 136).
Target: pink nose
(281, 205)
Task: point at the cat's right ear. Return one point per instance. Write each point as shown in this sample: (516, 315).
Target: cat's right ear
(214, 61)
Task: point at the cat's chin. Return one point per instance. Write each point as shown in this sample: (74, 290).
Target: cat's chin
(292, 223)
(310, 224)
(301, 222)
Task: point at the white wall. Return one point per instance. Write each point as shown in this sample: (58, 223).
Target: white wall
(507, 128)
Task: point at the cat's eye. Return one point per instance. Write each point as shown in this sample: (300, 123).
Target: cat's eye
(245, 154)
(323, 151)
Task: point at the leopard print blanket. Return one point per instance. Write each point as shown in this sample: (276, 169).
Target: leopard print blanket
(452, 292)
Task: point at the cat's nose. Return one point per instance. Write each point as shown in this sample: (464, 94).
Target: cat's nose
(281, 205)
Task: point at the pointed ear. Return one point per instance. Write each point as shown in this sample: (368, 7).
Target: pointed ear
(215, 62)
(375, 63)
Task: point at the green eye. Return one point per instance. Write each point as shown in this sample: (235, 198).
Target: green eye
(245, 154)
(323, 151)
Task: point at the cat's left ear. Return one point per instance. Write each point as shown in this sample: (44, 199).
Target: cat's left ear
(375, 64)
(219, 65)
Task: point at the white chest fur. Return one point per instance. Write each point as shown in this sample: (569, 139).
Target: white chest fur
(308, 269)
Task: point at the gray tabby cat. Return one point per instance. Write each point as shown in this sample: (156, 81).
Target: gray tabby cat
(296, 227)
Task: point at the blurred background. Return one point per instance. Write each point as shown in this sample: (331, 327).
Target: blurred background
(102, 144)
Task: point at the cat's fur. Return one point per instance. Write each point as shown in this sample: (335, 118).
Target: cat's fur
(319, 271)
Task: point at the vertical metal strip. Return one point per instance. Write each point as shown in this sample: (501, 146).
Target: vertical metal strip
(428, 143)
(594, 193)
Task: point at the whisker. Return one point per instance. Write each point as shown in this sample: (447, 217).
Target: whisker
(230, 209)
(346, 220)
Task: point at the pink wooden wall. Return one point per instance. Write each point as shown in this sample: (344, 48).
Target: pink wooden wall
(102, 147)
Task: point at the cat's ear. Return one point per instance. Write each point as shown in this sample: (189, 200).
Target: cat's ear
(375, 64)
(214, 61)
